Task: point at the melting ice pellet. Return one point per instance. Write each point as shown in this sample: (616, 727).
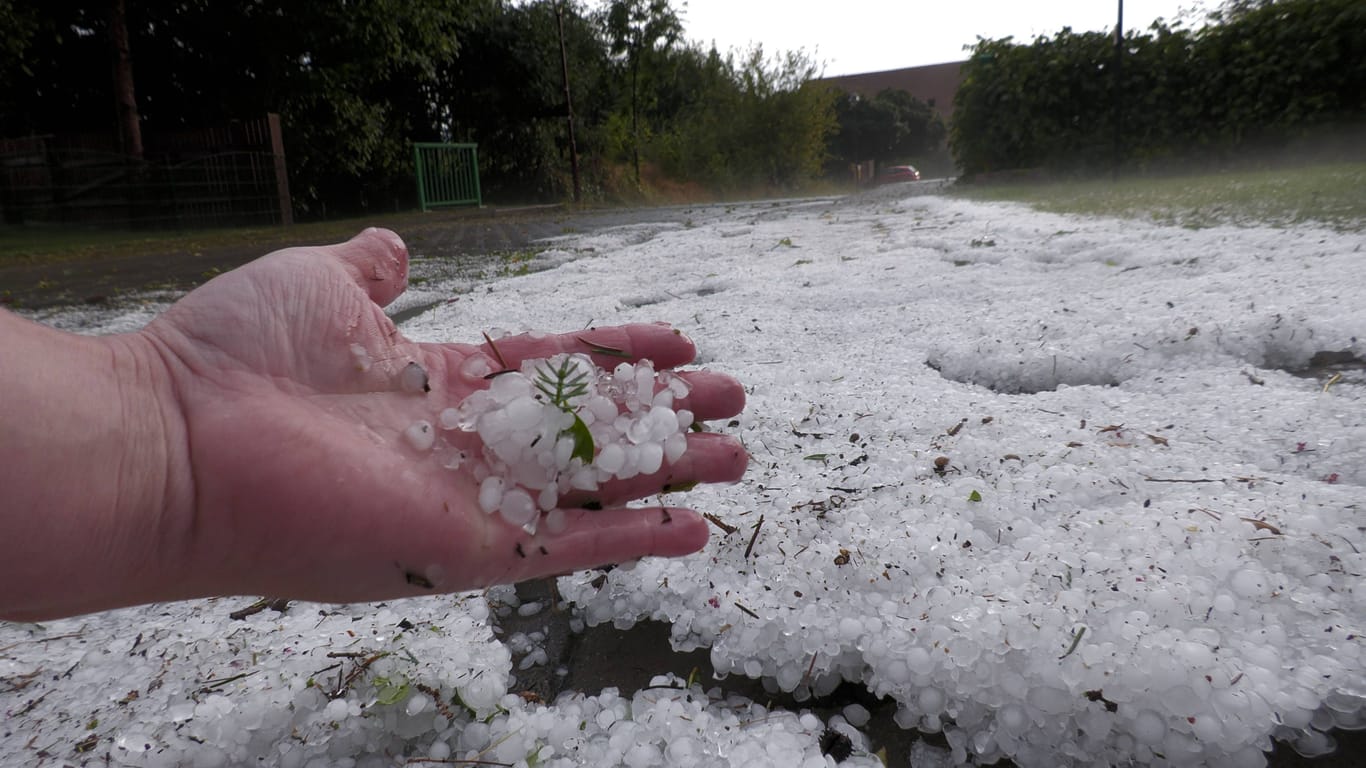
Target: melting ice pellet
(650, 457)
(491, 494)
(555, 521)
(475, 367)
(517, 507)
(360, 358)
(420, 435)
(413, 379)
(417, 705)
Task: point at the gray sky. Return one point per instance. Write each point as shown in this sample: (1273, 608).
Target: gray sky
(853, 36)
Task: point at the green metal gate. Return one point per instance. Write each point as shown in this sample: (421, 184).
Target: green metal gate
(447, 174)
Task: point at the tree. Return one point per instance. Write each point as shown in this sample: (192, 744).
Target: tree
(506, 91)
(757, 124)
(20, 25)
(1264, 74)
(356, 83)
(1232, 10)
(892, 126)
(351, 81)
(635, 28)
(352, 86)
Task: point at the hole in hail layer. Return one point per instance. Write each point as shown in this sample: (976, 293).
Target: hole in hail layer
(1328, 363)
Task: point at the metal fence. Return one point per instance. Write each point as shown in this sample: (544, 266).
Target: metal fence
(227, 176)
(447, 174)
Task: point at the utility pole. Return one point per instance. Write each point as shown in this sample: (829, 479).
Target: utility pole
(568, 103)
(1119, 89)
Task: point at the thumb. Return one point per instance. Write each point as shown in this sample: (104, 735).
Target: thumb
(377, 260)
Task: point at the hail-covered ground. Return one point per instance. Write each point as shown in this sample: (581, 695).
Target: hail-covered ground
(1071, 491)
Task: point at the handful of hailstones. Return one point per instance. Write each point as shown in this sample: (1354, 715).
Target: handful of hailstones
(557, 425)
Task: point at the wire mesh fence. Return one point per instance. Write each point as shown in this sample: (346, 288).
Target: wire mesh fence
(220, 177)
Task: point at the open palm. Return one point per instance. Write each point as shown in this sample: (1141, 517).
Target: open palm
(289, 377)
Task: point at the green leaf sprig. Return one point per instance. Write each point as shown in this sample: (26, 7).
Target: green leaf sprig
(562, 384)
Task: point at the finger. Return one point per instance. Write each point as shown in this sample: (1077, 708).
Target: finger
(598, 537)
(663, 345)
(377, 260)
(711, 395)
(710, 458)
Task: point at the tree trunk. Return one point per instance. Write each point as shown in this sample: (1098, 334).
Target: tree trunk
(129, 123)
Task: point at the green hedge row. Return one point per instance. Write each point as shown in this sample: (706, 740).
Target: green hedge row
(1260, 74)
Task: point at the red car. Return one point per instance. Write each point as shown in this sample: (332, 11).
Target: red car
(895, 173)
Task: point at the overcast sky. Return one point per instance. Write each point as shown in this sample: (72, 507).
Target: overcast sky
(853, 36)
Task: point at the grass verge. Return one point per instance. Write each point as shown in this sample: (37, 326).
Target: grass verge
(57, 244)
(1326, 195)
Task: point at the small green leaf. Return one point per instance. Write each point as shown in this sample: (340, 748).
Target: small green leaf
(817, 457)
(974, 496)
(391, 693)
(583, 440)
(562, 384)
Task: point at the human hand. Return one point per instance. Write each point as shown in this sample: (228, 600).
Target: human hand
(303, 485)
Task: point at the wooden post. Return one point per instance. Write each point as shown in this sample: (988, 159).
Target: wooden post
(130, 129)
(277, 149)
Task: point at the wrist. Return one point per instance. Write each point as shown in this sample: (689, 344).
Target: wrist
(94, 463)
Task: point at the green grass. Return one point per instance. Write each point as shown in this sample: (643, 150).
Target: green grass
(516, 263)
(1327, 195)
(55, 244)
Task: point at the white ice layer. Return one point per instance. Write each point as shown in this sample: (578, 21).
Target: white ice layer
(364, 686)
(1128, 497)
(1143, 544)
(1154, 559)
